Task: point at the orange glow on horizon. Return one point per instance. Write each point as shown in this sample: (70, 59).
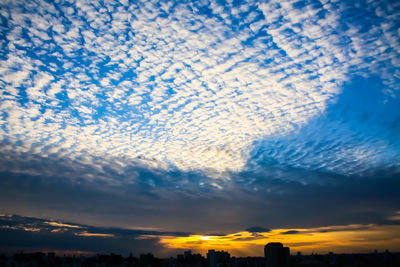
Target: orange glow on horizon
(338, 239)
(93, 234)
(57, 224)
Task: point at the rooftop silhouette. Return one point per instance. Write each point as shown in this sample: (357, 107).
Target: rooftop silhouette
(276, 255)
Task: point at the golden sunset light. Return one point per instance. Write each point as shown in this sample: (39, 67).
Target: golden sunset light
(341, 239)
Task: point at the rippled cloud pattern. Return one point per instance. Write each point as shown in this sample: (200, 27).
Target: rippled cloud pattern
(206, 86)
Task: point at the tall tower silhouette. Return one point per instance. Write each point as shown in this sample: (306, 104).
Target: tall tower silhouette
(276, 255)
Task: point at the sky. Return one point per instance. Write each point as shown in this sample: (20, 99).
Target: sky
(169, 125)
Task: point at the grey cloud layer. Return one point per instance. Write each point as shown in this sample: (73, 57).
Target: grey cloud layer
(251, 201)
(32, 234)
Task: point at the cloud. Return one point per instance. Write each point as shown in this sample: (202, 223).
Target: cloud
(63, 225)
(349, 139)
(257, 229)
(348, 239)
(93, 234)
(290, 232)
(206, 80)
(23, 223)
(32, 234)
(190, 203)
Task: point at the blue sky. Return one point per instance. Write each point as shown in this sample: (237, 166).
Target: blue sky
(179, 104)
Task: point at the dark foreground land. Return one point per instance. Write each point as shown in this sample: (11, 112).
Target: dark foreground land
(196, 260)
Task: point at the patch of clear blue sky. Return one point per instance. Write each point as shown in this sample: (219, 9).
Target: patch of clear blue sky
(362, 115)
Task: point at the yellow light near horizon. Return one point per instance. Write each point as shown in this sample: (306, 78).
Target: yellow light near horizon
(93, 234)
(339, 239)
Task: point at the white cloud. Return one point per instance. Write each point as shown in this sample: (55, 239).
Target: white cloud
(187, 90)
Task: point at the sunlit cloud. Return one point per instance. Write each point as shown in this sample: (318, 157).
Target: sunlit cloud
(63, 225)
(341, 239)
(29, 229)
(93, 234)
(395, 217)
(34, 234)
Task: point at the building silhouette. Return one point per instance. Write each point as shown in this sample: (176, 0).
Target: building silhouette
(276, 255)
(218, 258)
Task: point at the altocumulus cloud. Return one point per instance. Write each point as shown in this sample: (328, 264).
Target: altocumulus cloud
(188, 86)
